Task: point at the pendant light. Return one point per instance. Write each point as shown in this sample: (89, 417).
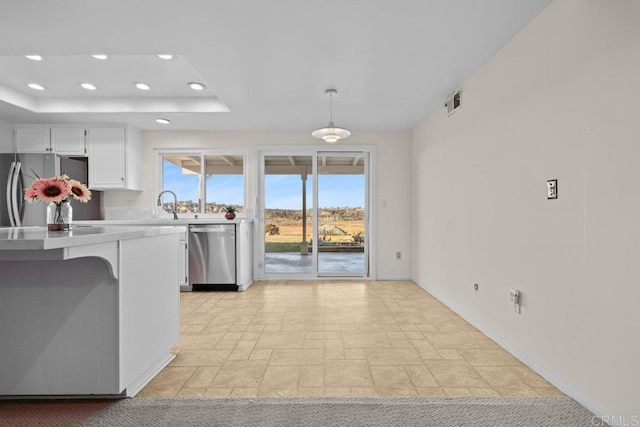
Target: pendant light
(331, 133)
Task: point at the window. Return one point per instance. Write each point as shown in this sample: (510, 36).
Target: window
(223, 186)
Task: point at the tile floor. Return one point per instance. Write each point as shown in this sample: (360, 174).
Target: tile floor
(357, 338)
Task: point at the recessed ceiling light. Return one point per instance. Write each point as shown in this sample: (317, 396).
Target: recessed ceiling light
(88, 86)
(100, 57)
(35, 86)
(142, 86)
(34, 57)
(196, 86)
(165, 56)
(163, 121)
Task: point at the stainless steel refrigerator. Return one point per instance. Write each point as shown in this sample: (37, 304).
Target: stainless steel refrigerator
(18, 171)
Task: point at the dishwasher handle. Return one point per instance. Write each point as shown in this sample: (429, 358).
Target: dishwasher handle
(219, 230)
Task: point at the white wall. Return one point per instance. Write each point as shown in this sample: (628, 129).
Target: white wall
(559, 101)
(6, 137)
(392, 178)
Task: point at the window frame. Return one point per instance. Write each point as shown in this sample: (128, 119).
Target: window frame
(159, 178)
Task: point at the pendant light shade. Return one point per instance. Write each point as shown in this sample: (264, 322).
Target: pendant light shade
(331, 133)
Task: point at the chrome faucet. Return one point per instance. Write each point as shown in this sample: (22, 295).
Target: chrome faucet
(175, 202)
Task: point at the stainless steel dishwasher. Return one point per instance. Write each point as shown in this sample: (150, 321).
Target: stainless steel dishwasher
(212, 257)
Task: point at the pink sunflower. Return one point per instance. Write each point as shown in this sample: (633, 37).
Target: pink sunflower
(79, 191)
(49, 190)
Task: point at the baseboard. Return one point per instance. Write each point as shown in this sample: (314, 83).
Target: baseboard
(577, 396)
(148, 375)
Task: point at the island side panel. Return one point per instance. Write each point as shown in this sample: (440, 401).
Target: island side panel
(59, 328)
(149, 320)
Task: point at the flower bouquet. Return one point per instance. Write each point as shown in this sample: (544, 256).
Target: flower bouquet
(57, 191)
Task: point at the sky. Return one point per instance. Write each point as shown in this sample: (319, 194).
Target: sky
(281, 191)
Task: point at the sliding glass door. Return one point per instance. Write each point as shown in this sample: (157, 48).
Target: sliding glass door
(342, 195)
(288, 225)
(313, 214)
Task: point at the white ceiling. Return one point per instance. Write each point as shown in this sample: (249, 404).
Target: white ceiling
(268, 61)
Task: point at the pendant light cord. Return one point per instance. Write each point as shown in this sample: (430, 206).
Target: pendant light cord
(331, 108)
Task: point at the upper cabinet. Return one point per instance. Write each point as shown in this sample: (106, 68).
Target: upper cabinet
(33, 140)
(114, 158)
(68, 140)
(45, 139)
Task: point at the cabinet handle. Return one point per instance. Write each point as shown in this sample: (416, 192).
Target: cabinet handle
(121, 179)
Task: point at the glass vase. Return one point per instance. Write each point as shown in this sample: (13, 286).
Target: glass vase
(59, 216)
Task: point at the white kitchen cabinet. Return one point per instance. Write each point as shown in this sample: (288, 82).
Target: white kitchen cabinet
(68, 140)
(114, 158)
(65, 140)
(33, 139)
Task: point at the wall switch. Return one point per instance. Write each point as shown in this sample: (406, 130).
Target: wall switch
(514, 296)
(552, 189)
(398, 255)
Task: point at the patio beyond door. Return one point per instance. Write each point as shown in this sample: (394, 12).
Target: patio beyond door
(314, 215)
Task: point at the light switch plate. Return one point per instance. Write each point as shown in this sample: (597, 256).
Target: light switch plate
(552, 189)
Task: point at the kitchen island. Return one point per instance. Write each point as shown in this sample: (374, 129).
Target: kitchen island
(91, 312)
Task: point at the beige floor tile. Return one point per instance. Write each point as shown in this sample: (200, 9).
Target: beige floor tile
(191, 392)
(312, 376)
(529, 377)
(431, 392)
(347, 373)
(280, 340)
(456, 374)
(363, 392)
(281, 378)
(421, 377)
(311, 392)
(354, 354)
(260, 355)
(337, 391)
(484, 392)
(392, 381)
(548, 392)
(202, 377)
(217, 392)
(168, 382)
(244, 392)
(239, 374)
(334, 338)
(393, 357)
(225, 345)
(200, 358)
(505, 382)
(487, 357)
(457, 392)
(201, 341)
(450, 354)
(368, 340)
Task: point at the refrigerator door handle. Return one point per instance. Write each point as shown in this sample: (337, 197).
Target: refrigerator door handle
(9, 196)
(14, 216)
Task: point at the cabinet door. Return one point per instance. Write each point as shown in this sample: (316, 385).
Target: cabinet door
(68, 141)
(33, 140)
(106, 148)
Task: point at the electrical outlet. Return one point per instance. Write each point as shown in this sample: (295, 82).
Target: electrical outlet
(398, 255)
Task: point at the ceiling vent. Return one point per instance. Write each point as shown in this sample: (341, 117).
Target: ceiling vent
(453, 103)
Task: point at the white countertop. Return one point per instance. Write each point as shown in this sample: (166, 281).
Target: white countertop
(39, 238)
(163, 221)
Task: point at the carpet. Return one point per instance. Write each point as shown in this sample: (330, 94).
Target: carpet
(282, 412)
